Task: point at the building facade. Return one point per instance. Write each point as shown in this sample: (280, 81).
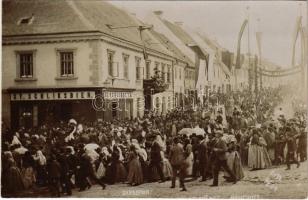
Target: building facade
(73, 64)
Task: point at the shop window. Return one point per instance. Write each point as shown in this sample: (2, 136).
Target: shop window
(114, 109)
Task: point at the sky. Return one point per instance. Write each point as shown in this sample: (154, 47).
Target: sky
(222, 20)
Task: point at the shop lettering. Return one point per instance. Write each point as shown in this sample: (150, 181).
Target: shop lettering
(52, 96)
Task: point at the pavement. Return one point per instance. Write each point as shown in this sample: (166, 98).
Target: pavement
(275, 182)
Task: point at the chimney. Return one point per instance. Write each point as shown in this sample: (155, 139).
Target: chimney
(158, 13)
(178, 23)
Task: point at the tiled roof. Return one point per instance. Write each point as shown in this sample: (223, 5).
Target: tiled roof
(49, 17)
(172, 47)
(179, 32)
(63, 16)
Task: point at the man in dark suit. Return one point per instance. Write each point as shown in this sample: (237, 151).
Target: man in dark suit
(176, 157)
(291, 144)
(156, 160)
(203, 157)
(220, 159)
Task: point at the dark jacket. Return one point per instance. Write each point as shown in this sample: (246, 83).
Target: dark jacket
(54, 169)
(176, 155)
(155, 153)
(202, 152)
(222, 148)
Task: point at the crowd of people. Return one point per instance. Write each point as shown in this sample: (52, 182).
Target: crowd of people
(242, 131)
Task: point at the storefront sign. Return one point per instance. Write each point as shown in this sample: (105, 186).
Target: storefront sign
(39, 96)
(117, 95)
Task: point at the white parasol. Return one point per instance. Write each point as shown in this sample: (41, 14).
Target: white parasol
(186, 131)
(91, 146)
(21, 150)
(198, 131)
(72, 121)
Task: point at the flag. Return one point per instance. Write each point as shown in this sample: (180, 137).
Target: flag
(238, 56)
(298, 26)
(258, 38)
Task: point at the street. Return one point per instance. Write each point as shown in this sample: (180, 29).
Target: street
(285, 184)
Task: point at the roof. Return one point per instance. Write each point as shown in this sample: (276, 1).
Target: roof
(64, 16)
(180, 33)
(172, 47)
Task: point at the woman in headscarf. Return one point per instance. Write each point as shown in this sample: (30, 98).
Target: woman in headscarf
(234, 161)
(40, 167)
(258, 157)
(143, 159)
(28, 170)
(189, 157)
(135, 176)
(117, 169)
(12, 181)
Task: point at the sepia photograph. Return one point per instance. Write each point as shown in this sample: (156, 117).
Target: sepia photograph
(154, 99)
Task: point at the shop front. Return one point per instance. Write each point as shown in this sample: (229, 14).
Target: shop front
(117, 104)
(31, 108)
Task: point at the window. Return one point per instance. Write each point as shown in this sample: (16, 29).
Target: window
(125, 65)
(156, 68)
(169, 74)
(26, 65)
(214, 71)
(110, 55)
(163, 72)
(148, 69)
(180, 73)
(138, 69)
(67, 63)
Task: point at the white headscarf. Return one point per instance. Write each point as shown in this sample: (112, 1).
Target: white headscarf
(40, 158)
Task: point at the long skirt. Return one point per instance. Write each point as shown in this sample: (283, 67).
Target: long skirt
(121, 173)
(167, 168)
(258, 157)
(271, 153)
(13, 181)
(135, 175)
(235, 165)
(190, 161)
(28, 177)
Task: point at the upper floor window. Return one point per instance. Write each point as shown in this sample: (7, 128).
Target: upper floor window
(26, 65)
(110, 56)
(163, 72)
(67, 63)
(176, 73)
(125, 65)
(148, 69)
(180, 73)
(138, 68)
(157, 67)
(169, 74)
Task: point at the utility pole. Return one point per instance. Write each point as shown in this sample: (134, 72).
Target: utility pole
(255, 64)
(249, 64)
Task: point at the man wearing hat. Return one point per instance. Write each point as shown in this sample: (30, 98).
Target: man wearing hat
(291, 144)
(220, 159)
(203, 157)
